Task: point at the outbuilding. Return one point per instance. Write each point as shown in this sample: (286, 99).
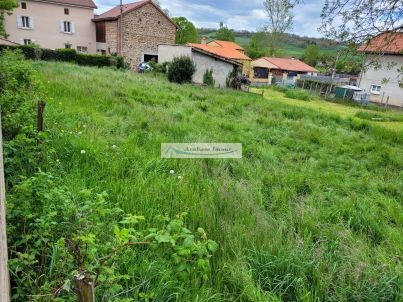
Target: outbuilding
(204, 60)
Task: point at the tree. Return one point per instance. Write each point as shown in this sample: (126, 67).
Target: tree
(358, 21)
(224, 33)
(355, 22)
(186, 31)
(6, 6)
(258, 45)
(311, 54)
(280, 17)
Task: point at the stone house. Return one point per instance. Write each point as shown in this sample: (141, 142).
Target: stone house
(53, 24)
(382, 76)
(134, 31)
(203, 59)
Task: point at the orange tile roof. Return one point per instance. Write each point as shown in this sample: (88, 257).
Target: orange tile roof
(228, 53)
(228, 44)
(290, 64)
(114, 13)
(389, 43)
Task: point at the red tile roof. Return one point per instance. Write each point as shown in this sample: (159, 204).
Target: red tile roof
(389, 43)
(228, 53)
(83, 3)
(290, 64)
(114, 13)
(228, 44)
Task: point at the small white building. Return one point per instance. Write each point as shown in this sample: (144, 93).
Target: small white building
(381, 75)
(203, 60)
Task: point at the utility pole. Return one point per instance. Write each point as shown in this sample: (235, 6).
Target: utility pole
(4, 275)
(120, 29)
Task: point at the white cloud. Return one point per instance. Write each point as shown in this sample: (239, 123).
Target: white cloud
(236, 14)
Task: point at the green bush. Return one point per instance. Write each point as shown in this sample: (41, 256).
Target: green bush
(208, 78)
(67, 55)
(181, 70)
(50, 55)
(18, 93)
(162, 68)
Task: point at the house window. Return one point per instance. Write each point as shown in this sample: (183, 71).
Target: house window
(25, 22)
(82, 49)
(375, 89)
(66, 11)
(23, 5)
(67, 45)
(27, 42)
(261, 73)
(67, 27)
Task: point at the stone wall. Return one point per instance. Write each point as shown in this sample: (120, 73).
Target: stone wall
(143, 30)
(111, 36)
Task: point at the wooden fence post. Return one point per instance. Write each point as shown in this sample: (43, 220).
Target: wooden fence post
(39, 117)
(4, 275)
(83, 285)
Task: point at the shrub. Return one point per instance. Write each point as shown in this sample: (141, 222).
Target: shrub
(67, 55)
(230, 77)
(162, 68)
(208, 78)
(181, 70)
(31, 52)
(18, 93)
(49, 55)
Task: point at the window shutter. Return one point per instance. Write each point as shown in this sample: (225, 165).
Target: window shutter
(19, 22)
(61, 25)
(31, 22)
(73, 27)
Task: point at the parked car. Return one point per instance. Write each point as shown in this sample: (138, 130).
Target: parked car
(144, 67)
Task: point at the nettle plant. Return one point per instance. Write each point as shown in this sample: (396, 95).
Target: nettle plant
(57, 235)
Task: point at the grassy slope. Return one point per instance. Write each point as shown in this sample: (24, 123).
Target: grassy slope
(312, 209)
(349, 112)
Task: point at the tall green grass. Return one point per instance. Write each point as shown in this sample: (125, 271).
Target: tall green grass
(312, 212)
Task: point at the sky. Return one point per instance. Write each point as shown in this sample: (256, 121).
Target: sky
(236, 14)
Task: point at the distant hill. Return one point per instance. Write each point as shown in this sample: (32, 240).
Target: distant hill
(294, 45)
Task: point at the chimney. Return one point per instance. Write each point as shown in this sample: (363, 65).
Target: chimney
(204, 40)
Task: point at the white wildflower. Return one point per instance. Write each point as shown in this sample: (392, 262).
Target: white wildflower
(114, 146)
(172, 171)
(179, 177)
(82, 151)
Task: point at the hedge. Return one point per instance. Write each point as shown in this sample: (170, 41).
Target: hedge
(67, 55)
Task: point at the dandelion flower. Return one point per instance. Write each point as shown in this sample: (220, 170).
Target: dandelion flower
(172, 171)
(114, 146)
(82, 151)
(179, 177)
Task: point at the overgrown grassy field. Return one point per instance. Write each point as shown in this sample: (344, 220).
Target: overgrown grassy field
(313, 211)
